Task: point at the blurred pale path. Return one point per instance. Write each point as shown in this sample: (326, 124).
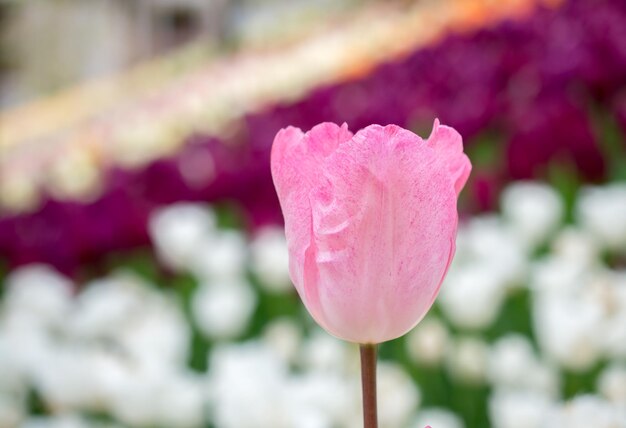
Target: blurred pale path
(149, 112)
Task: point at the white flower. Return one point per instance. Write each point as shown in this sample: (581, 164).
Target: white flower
(576, 245)
(12, 380)
(544, 378)
(62, 421)
(613, 335)
(64, 380)
(323, 352)
(467, 360)
(181, 402)
(251, 377)
(177, 231)
(437, 418)
(533, 209)
(428, 342)
(12, 410)
(248, 387)
(574, 301)
(158, 333)
(284, 336)
(557, 275)
(489, 241)
(309, 418)
(136, 403)
(398, 395)
(586, 411)
(88, 378)
(612, 384)
(519, 409)
(28, 345)
(220, 258)
(613, 298)
(510, 358)
(105, 305)
(123, 310)
(158, 395)
(39, 293)
(224, 310)
(472, 296)
(270, 259)
(602, 211)
(107, 373)
(567, 330)
(513, 364)
(317, 399)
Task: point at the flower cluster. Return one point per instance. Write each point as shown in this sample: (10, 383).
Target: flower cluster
(539, 97)
(529, 330)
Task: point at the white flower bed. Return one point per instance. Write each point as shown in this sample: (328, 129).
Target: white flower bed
(116, 352)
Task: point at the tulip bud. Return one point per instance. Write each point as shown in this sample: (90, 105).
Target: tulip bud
(370, 221)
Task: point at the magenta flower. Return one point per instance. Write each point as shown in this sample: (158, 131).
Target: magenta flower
(371, 222)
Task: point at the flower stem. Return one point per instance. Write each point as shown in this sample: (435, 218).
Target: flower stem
(368, 381)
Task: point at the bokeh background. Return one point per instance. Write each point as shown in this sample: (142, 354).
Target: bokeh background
(143, 265)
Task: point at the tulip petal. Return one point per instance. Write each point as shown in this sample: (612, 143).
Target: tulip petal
(295, 163)
(384, 220)
(449, 145)
(370, 221)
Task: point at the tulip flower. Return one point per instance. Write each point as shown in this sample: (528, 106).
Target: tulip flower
(370, 221)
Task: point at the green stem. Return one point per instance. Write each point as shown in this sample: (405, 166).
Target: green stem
(368, 382)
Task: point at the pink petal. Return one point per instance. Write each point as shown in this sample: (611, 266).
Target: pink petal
(295, 164)
(384, 221)
(370, 222)
(449, 146)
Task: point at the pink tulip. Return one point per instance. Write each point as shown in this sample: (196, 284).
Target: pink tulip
(371, 222)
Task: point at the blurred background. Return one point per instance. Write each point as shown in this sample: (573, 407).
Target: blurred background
(143, 265)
